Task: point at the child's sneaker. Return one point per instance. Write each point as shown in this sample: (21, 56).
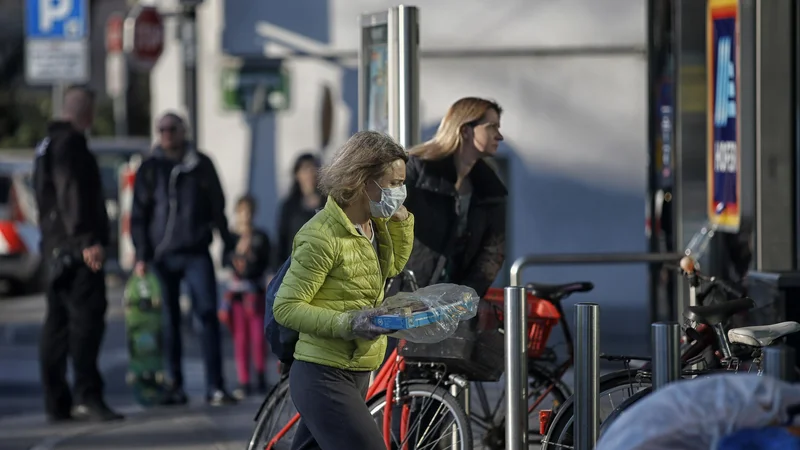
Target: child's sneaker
(241, 392)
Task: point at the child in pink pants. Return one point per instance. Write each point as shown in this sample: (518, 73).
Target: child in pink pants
(243, 308)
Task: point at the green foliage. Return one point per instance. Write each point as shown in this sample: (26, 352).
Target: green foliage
(23, 123)
(104, 118)
(27, 120)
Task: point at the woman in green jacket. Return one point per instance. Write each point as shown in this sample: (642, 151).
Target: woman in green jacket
(341, 259)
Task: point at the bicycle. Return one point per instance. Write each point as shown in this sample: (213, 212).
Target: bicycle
(392, 389)
(736, 345)
(400, 381)
(706, 342)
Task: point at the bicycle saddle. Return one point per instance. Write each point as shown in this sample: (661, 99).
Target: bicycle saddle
(714, 314)
(762, 336)
(558, 291)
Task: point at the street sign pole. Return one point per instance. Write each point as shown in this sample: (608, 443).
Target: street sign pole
(188, 26)
(57, 100)
(117, 72)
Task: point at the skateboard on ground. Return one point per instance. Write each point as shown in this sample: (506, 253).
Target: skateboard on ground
(144, 338)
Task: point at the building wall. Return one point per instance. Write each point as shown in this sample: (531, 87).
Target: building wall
(575, 124)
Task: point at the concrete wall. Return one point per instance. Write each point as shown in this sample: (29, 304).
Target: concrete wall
(575, 125)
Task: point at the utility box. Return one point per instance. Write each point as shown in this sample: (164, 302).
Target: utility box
(777, 298)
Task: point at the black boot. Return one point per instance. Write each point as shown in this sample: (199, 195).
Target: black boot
(95, 411)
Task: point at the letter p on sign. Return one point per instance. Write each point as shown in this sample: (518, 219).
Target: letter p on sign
(51, 11)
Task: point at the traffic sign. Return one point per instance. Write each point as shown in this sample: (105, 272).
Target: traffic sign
(56, 44)
(57, 19)
(56, 61)
(114, 26)
(255, 88)
(144, 36)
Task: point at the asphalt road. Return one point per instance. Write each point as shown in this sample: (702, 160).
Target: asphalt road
(22, 422)
(21, 392)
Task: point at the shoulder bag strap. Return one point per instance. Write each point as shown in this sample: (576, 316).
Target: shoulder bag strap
(448, 250)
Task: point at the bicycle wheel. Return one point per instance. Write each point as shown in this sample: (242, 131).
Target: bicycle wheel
(487, 407)
(277, 411)
(630, 401)
(436, 421)
(614, 388)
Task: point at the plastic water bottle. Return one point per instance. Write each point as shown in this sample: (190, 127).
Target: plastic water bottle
(699, 243)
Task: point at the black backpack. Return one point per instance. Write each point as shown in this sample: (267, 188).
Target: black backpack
(282, 340)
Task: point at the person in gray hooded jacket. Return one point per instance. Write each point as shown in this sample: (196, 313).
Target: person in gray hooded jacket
(177, 203)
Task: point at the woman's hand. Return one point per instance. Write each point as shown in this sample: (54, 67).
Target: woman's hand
(361, 325)
(401, 214)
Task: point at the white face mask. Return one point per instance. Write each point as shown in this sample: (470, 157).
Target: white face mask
(391, 200)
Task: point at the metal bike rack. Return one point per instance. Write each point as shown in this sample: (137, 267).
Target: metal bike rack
(666, 353)
(587, 356)
(515, 318)
(588, 258)
(779, 362)
(587, 375)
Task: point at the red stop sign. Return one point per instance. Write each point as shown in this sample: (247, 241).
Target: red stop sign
(144, 36)
(114, 26)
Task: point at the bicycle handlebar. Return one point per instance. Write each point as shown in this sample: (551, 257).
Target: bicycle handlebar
(689, 269)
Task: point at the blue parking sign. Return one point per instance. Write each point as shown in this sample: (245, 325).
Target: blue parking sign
(56, 19)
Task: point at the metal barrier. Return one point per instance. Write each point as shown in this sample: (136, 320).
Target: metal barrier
(587, 355)
(516, 364)
(587, 374)
(666, 353)
(779, 362)
(588, 258)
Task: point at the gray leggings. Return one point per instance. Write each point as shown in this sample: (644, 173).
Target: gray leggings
(334, 414)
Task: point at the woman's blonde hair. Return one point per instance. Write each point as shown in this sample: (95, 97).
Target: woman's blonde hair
(467, 111)
(367, 155)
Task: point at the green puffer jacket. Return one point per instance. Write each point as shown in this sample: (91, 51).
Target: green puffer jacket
(334, 269)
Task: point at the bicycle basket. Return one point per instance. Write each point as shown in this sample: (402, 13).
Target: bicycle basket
(542, 318)
(474, 351)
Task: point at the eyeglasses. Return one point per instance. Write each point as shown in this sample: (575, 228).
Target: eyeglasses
(170, 129)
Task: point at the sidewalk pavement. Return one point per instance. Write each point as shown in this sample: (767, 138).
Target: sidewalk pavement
(194, 427)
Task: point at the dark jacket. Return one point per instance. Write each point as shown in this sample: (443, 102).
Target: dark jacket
(258, 256)
(293, 216)
(69, 191)
(176, 206)
(478, 255)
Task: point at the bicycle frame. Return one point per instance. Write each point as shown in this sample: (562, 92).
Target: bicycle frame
(384, 380)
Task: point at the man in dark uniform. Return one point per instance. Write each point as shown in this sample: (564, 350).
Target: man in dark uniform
(75, 229)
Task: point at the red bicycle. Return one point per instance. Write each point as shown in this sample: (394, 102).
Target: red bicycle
(419, 402)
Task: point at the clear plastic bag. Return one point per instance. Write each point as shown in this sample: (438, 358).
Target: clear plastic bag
(428, 315)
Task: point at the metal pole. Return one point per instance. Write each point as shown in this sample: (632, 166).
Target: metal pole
(408, 72)
(393, 72)
(588, 258)
(779, 362)
(120, 104)
(666, 353)
(189, 40)
(57, 102)
(462, 397)
(516, 359)
(587, 374)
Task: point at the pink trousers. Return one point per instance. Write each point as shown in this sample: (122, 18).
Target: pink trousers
(247, 327)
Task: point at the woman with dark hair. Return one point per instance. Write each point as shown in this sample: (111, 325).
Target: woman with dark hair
(301, 204)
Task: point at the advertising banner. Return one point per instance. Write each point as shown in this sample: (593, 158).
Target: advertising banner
(724, 170)
(377, 71)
